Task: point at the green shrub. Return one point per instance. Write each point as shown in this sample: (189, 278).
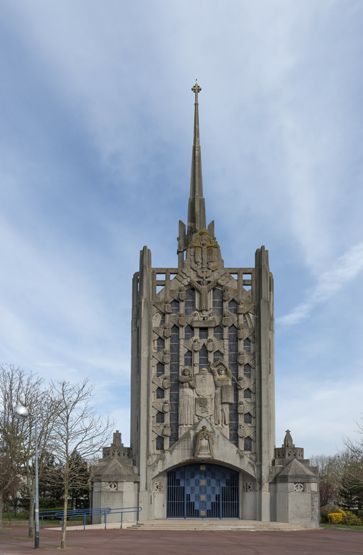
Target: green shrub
(352, 520)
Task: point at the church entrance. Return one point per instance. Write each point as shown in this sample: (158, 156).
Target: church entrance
(203, 491)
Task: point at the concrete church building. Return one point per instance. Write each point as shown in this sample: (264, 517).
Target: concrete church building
(202, 390)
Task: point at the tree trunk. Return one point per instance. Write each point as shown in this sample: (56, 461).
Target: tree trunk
(1, 509)
(65, 510)
(31, 516)
(30, 485)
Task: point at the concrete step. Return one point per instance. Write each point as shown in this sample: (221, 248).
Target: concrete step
(214, 524)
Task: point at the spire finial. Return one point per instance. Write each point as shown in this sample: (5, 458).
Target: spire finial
(196, 90)
(288, 441)
(196, 207)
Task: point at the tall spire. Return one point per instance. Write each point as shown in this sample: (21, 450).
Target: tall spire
(196, 206)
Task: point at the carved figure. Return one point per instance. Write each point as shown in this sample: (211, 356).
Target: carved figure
(241, 407)
(156, 320)
(226, 320)
(202, 315)
(210, 345)
(205, 391)
(197, 345)
(203, 444)
(207, 314)
(241, 357)
(186, 398)
(197, 315)
(167, 308)
(223, 397)
(157, 486)
(203, 253)
(182, 294)
(226, 294)
(182, 320)
(203, 289)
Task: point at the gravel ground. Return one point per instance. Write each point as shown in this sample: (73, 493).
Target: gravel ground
(14, 541)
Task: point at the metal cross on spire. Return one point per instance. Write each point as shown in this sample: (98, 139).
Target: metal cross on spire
(196, 89)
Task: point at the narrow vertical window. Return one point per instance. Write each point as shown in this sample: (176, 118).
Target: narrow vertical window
(160, 369)
(248, 444)
(188, 332)
(160, 393)
(160, 344)
(190, 301)
(174, 384)
(203, 357)
(233, 365)
(232, 307)
(160, 443)
(159, 417)
(174, 307)
(217, 356)
(247, 370)
(218, 300)
(188, 358)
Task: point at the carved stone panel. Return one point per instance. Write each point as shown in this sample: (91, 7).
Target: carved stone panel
(205, 391)
(298, 487)
(203, 444)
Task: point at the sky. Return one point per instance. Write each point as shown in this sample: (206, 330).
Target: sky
(95, 152)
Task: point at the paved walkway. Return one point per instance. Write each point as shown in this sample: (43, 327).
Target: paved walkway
(205, 524)
(13, 541)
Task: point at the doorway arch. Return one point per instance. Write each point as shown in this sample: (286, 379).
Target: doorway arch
(202, 491)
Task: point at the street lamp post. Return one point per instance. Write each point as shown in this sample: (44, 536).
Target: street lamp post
(23, 412)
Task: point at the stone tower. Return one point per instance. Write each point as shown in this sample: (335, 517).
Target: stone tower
(202, 378)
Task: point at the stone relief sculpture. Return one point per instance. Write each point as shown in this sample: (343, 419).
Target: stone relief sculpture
(224, 396)
(203, 290)
(204, 254)
(186, 401)
(203, 444)
(205, 392)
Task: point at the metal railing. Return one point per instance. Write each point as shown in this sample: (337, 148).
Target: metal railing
(103, 512)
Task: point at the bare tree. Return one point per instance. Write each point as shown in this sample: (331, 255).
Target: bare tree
(17, 437)
(352, 484)
(330, 470)
(78, 431)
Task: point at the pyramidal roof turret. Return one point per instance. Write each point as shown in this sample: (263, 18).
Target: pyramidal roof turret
(196, 205)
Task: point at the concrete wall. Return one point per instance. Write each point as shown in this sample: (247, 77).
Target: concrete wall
(122, 494)
(288, 505)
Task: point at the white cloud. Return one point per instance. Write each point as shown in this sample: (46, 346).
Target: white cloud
(345, 269)
(321, 413)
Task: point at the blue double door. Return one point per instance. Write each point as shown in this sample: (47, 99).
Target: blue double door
(203, 491)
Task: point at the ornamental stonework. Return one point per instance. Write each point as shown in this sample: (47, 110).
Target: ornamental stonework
(204, 344)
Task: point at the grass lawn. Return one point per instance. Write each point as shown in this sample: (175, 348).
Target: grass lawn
(21, 519)
(341, 527)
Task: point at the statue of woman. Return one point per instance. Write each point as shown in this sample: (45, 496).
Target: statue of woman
(186, 400)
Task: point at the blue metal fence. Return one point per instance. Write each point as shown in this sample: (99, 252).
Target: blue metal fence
(103, 513)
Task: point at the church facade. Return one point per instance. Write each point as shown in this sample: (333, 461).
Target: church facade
(202, 389)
